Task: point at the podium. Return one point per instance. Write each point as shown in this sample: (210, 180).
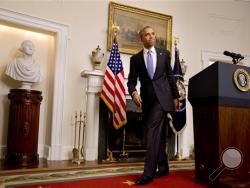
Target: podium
(22, 142)
(221, 120)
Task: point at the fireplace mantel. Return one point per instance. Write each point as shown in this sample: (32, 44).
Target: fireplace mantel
(93, 88)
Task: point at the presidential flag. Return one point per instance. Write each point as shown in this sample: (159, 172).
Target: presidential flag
(179, 118)
(113, 90)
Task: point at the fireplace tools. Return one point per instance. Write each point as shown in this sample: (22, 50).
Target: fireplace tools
(78, 153)
(110, 157)
(124, 154)
(75, 150)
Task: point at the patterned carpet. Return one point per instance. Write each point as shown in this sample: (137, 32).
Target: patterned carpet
(29, 178)
(177, 179)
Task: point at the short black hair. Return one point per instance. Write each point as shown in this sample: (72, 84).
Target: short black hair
(143, 29)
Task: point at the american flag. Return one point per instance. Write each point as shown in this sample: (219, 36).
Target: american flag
(113, 90)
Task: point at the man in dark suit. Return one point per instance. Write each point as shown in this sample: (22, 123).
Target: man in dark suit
(158, 95)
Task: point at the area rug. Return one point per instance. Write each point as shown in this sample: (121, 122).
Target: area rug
(35, 178)
(110, 176)
(176, 179)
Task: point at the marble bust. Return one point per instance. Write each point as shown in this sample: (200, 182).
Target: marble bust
(24, 68)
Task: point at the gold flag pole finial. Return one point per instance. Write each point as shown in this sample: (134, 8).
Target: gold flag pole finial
(115, 29)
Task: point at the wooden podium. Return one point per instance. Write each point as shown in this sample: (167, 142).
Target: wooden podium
(23, 127)
(221, 119)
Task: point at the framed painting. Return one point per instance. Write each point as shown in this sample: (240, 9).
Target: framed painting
(130, 21)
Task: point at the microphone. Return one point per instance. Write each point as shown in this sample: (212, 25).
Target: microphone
(233, 55)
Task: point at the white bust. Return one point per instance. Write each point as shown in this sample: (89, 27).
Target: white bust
(24, 68)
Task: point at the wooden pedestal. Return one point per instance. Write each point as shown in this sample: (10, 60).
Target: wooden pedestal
(23, 127)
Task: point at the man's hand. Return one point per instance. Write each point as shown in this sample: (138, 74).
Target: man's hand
(137, 98)
(177, 105)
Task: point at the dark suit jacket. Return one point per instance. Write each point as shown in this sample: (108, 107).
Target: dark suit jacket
(162, 86)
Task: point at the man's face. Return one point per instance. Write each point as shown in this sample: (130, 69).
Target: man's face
(148, 38)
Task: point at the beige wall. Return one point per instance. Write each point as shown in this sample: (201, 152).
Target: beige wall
(211, 25)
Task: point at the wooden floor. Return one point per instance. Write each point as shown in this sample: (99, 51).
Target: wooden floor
(45, 165)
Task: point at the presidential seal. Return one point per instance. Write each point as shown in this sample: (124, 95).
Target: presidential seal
(241, 79)
(181, 89)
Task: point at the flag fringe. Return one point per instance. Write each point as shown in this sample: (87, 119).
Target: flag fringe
(172, 125)
(117, 126)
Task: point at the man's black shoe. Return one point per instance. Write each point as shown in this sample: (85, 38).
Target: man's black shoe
(143, 180)
(161, 173)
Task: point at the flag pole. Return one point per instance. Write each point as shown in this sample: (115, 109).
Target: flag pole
(177, 155)
(115, 28)
(110, 157)
(113, 89)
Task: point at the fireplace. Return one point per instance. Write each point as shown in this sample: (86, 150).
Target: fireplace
(128, 142)
(103, 141)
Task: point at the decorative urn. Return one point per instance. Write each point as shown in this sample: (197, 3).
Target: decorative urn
(97, 57)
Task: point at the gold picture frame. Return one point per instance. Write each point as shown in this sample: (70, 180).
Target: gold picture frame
(130, 21)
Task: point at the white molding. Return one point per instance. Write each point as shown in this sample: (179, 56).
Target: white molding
(185, 152)
(61, 34)
(94, 86)
(67, 153)
(43, 151)
(209, 55)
